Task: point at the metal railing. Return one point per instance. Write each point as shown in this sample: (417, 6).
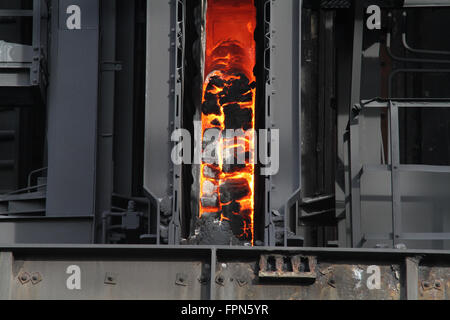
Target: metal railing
(395, 167)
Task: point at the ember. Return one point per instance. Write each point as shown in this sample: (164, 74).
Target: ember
(228, 103)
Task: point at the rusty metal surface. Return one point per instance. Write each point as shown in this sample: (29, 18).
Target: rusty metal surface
(333, 282)
(286, 266)
(434, 283)
(225, 273)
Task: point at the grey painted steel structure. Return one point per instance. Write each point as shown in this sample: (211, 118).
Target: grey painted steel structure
(73, 100)
(164, 107)
(174, 272)
(72, 131)
(283, 111)
(375, 220)
(351, 192)
(224, 273)
(23, 60)
(400, 177)
(160, 97)
(72, 112)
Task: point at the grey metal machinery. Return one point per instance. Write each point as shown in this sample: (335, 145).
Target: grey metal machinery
(91, 92)
(398, 177)
(95, 165)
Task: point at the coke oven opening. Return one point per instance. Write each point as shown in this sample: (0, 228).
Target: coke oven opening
(224, 89)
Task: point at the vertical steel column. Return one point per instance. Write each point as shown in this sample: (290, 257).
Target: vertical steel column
(395, 173)
(124, 99)
(159, 110)
(36, 63)
(343, 86)
(177, 78)
(72, 110)
(283, 111)
(412, 278)
(269, 233)
(212, 280)
(6, 271)
(353, 149)
(107, 82)
(355, 176)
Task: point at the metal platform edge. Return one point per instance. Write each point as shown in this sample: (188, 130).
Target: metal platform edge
(126, 272)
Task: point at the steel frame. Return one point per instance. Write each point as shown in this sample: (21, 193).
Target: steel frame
(34, 66)
(352, 190)
(395, 167)
(282, 191)
(177, 77)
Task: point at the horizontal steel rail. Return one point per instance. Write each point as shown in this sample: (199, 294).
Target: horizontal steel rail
(205, 273)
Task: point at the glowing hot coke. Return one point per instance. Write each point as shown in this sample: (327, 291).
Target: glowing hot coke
(227, 181)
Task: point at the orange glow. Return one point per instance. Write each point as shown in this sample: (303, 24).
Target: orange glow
(230, 53)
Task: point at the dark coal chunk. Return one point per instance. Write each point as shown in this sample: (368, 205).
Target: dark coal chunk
(210, 87)
(210, 96)
(238, 223)
(210, 106)
(237, 117)
(232, 168)
(237, 90)
(242, 81)
(234, 190)
(231, 209)
(233, 98)
(246, 214)
(253, 85)
(216, 81)
(215, 123)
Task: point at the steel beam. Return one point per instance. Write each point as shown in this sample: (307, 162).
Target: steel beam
(107, 86)
(16, 13)
(223, 273)
(353, 198)
(72, 111)
(395, 173)
(412, 278)
(6, 270)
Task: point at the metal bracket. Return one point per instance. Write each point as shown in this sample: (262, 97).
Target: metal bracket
(110, 278)
(290, 267)
(181, 280)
